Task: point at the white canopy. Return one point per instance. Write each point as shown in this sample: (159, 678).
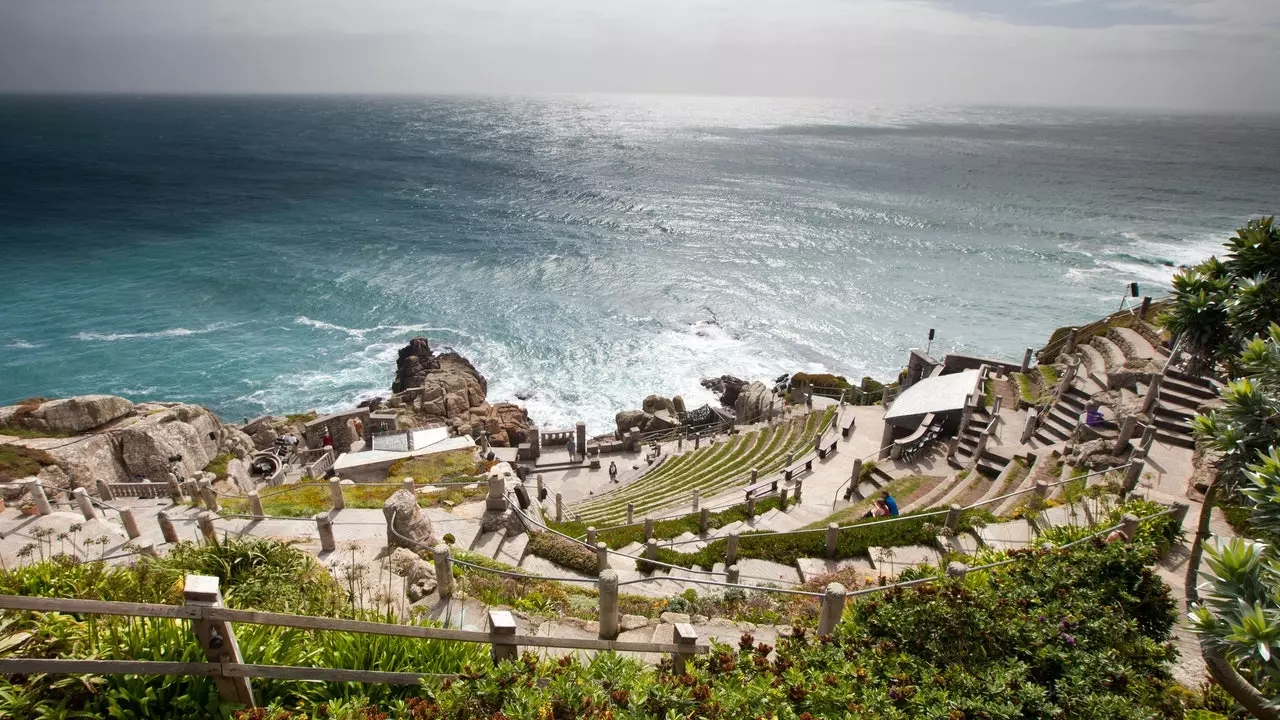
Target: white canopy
(933, 395)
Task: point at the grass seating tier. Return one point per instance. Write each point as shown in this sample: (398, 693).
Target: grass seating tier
(709, 470)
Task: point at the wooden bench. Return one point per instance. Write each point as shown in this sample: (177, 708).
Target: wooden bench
(806, 465)
(769, 486)
(825, 450)
(846, 424)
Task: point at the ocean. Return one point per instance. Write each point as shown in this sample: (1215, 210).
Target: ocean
(271, 254)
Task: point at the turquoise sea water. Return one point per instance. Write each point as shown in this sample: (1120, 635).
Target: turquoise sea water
(271, 254)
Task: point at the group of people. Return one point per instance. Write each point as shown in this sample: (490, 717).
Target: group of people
(884, 506)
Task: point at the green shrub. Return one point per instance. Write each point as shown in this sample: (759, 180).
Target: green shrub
(18, 462)
(436, 467)
(218, 465)
(565, 553)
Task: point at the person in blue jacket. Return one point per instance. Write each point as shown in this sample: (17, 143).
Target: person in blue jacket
(893, 504)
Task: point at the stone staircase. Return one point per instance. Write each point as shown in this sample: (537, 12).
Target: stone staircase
(1057, 425)
(1180, 395)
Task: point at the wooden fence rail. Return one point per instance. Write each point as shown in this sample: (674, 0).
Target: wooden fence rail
(212, 625)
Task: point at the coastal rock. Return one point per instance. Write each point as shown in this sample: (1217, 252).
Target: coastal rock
(412, 528)
(654, 403)
(238, 473)
(752, 403)
(628, 419)
(85, 459)
(662, 420)
(727, 387)
(235, 442)
(77, 414)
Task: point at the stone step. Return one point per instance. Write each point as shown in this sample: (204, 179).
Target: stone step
(811, 568)
(1193, 383)
(1173, 412)
(755, 572)
(1173, 396)
(780, 522)
(487, 544)
(806, 514)
(512, 550)
(1061, 420)
(1178, 439)
(1138, 347)
(1092, 360)
(962, 543)
(891, 561)
(1048, 430)
(736, 525)
(1111, 352)
(1012, 535)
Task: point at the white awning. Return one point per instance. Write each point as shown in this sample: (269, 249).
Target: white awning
(943, 393)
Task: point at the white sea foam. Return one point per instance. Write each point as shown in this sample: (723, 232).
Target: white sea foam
(172, 332)
(23, 345)
(360, 333)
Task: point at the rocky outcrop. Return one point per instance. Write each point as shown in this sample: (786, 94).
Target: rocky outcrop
(420, 575)
(447, 388)
(76, 414)
(727, 387)
(655, 403)
(753, 402)
(236, 443)
(189, 431)
(412, 528)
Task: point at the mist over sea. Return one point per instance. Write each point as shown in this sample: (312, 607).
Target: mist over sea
(272, 254)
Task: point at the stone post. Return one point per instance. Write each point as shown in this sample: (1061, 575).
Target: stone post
(217, 638)
(1029, 428)
(444, 570)
(751, 506)
(205, 522)
(651, 550)
(1134, 472)
(953, 518)
(502, 629)
(193, 490)
(697, 441)
(832, 608)
(1071, 342)
(631, 513)
(686, 639)
(679, 443)
(407, 484)
(130, 524)
(833, 539)
(790, 457)
(255, 505)
(695, 501)
(36, 491)
(581, 443)
(167, 529)
(1040, 489)
(85, 504)
(1129, 526)
(559, 507)
(175, 490)
(1127, 426)
(209, 495)
(731, 549)
(731, 574)
(854, 477)
(608, 605)
(1068, 375)
(957, 570)
(755, 475)
(886, 441)
(602, 557)
(817, 443)
(1026, 361)
(104, 491)
(995, 406)
(336, 498)
(799, 488)
(542, 490)
(884, 397)
(1180, 512)
(704, 520)
(1152, 394)
(782, 499)
(324, 527)
(1146, 307)
(535, 442)
(496, 500)
(1148, 437)
(148, 549)
(648, 529)
(591, 535)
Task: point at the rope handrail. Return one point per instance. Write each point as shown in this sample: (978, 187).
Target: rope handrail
(522, 576)
(1048, 485)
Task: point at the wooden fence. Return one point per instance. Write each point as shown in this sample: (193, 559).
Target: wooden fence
(211, 623)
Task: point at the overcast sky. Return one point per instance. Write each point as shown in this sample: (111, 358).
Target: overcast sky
(1194, 54)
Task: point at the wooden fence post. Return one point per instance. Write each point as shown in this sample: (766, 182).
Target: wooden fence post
(686, 639)
(86, 505)
(608, 605)
(167, 529)
(36, 491)
(444, 570)
(324, 528)
(217, 638)
(336, 498)
(832, 608)
(502, 631)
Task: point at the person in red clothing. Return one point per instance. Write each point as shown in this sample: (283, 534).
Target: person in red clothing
(328, 439)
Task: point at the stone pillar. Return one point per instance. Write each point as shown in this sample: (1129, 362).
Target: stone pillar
(1133, 473)
(542, 490)
(559, 507)
(193, 490)
(651, 550)
(832, 608)
(217, 638)
(1029, 428)
(1071, 342)
(833, 539)
(995, 406)
(209, 496)
(591, 535)
(731, 549)
(1040, 489)
(1129, 526)
(704, 520)
(1180, 512)
(205, 522)
(854, 476)
(36, 491)
(755, 475)
(608, 605)
(697, 441)
(799, 488)
(1026, 361)
(957, 570)
(1146, 307)
(502, 629)
(886, 441)
(581, 443)
(602, 557)
(631, 513)
(1152, 394)
(680, 443)
(255, 505)
(782, 499)
(444, 570)
(336, 498)
(884, 397)
(751, 506)
(407, 484)
(130, 524)
(695, 501)
(1148, 437)
(1064, 382)
(167, 529)
(148, 549)
(953, 518)
(686, 640)
(648, 529)
(175, 490)
(1127, 426)
(731, 574)
(324, 527)
(104, 491)
(496, 500)
(85, 504)
(535, 442)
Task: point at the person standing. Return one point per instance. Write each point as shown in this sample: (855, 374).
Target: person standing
(613, 471)
(327, 441)
(570, 447)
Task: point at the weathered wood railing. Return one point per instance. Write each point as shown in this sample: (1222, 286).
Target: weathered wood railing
(211, 622)
(141, 489)
(315, 462)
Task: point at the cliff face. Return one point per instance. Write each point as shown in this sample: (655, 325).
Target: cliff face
(447, 388)
(108, 438)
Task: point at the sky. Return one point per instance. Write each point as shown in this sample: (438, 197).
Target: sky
(1215, 55)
